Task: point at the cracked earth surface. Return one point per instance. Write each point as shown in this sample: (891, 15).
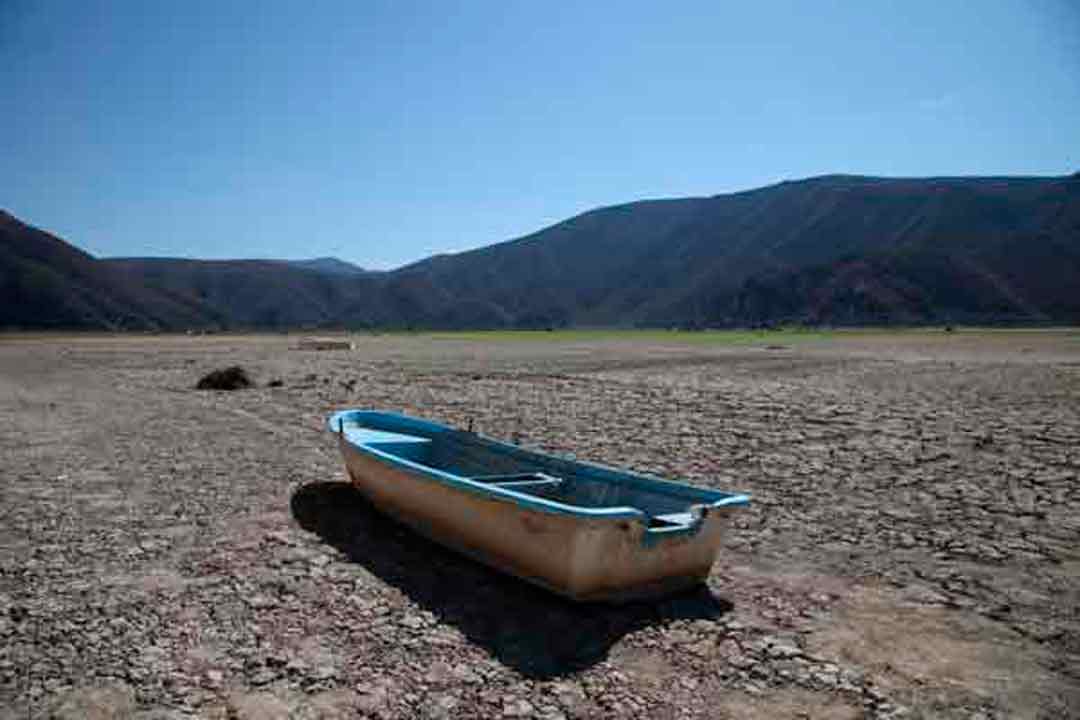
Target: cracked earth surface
(912, 550)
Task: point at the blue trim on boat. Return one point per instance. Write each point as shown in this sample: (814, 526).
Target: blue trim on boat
(398, 430)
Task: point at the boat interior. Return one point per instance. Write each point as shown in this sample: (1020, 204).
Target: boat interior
(508, 467)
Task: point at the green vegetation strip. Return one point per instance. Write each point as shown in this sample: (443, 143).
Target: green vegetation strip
(730, 337)
(681, 336)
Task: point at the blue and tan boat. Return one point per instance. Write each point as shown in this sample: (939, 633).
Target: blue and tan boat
(583, 530)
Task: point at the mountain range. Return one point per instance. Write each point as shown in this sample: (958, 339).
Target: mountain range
(826, 250)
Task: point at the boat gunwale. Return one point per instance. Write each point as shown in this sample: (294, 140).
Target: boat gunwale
(710, 499)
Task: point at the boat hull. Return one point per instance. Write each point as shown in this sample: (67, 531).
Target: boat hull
(583, 558)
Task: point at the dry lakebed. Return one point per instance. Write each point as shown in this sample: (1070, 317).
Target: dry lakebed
(912, 548)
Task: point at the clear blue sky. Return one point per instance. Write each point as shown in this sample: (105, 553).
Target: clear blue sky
(382, 132)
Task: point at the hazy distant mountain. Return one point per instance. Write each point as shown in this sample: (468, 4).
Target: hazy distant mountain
(330, 266)
(835, 249)
(271, 294)
(259, 293)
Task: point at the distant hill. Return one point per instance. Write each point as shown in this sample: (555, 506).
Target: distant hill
(829, 249)
(46, 283)
(252, 293)
(834, 249)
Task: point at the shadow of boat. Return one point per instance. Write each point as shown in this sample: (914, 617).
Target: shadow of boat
(536, 632)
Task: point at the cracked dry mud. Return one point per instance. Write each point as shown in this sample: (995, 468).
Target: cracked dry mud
(912, 548)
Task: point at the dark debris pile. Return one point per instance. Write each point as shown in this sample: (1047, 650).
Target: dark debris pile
(230, 378)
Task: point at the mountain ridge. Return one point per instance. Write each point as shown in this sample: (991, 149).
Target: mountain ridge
(47, 283)
(327, 264)
(833, 249)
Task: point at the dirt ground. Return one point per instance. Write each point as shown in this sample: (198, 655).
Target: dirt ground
(912, 550)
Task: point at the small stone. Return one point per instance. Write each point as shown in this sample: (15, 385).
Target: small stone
(259, 602)
(371, 698)
(438, 673)
(280, 536)
(413, 622)
(550, 713)
(679, 636)
(257, 706)
(741, 661)
(465, 674)
(162, 714)
(823, 678)
(783, 650)
(702, 648)
(327, 705)
(441, 707)
(325, 672)
(517, 708)
(262, 676)
(106, 702)
(922, 595)
(571, 696)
